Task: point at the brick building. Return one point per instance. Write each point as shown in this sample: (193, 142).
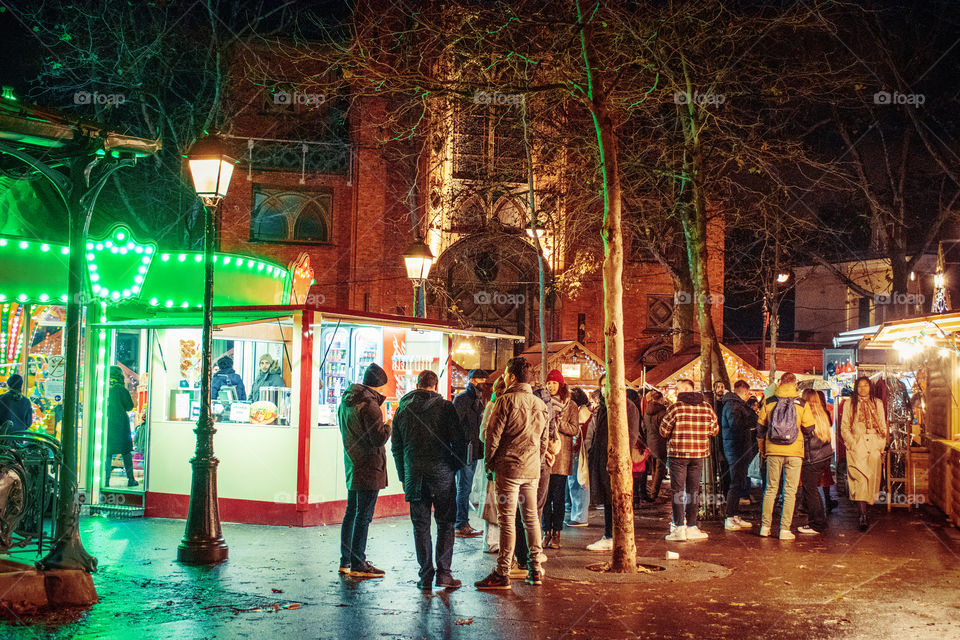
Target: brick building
(315, 178)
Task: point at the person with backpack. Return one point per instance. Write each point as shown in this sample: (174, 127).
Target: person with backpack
(781, 444)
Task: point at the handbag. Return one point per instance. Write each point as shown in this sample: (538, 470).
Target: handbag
(583, 471)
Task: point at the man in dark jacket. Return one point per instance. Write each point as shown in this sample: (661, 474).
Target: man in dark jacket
(14, 408)
(426, 434)
(364, 435)
(737, 424)
(470, 410)
(226, 377)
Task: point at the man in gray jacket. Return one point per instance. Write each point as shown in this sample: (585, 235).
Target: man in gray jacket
(516, 446)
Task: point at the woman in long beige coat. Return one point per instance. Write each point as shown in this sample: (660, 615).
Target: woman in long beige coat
(863, 427)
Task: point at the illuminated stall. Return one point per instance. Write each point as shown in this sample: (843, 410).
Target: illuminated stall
(926, 352)
(686, 365)
(281, 458)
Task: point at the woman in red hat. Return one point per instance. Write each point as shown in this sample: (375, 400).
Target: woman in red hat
(565, 413)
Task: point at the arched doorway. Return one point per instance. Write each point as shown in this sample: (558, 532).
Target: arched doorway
(489, 280)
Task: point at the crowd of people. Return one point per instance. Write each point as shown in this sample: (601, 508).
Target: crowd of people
(541, 451)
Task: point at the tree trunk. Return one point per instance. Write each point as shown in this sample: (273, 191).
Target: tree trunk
(897, 306)
(624, 559)
(532, 203)
(774, 329)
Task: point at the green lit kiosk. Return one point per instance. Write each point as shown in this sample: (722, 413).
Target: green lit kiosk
(281, 459)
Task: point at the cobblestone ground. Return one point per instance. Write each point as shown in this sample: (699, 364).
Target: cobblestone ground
(899, 580)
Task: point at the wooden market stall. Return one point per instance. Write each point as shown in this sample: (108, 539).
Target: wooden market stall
(929, 347)
(580, 366)
(686, 364)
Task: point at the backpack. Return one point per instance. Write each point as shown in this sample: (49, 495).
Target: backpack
(782, 424)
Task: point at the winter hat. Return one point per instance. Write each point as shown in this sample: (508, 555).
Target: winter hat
(15, 382)
(226, 362)
(476, 373)
(555, 376)
(116, 373)
(374, 376)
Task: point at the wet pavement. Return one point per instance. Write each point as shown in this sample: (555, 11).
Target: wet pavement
(899, 580)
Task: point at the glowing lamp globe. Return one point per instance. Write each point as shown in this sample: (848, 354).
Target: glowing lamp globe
(418, 260)
(210, 167)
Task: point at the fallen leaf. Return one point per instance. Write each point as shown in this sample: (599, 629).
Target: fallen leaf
(464, 621)
(277, 590)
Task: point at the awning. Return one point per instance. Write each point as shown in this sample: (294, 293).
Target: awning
(194, 318)
(929, 329)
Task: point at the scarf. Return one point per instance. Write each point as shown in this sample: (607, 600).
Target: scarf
(558, 406)
(867, 415)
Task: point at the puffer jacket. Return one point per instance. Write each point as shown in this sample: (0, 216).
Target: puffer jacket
(517, 434)
(364, 435)
(814, 449)
(226, 378)
(737, 423)
(427, 442)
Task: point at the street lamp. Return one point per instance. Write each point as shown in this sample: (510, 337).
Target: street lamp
(203, 544)
(418, 260)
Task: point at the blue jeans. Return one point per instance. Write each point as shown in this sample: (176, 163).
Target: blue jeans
(579, 494)
(464, 484)
(442, 501)
(356, 523)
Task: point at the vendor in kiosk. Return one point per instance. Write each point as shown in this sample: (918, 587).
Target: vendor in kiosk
(268, 376)
(227, 377)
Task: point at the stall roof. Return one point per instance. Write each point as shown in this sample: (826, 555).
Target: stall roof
(331, 313)
(564, 348)
(170, 319)
(686, 364)
(852, 338)
(936, 327)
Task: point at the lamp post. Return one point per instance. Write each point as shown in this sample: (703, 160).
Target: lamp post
(418, 260)
(203, 542)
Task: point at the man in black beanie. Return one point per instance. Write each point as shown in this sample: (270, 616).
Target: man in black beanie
(14, 408)
(364, 435)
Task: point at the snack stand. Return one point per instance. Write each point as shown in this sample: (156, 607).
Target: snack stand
(281, 457)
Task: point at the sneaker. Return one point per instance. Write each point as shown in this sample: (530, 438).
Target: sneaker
(786, 534)
(466, 531)
(677, 534)
(518, 571)
(367, 570)
(764, 532)
(694, 533)
(731, 524)
(806, 530)
(535, 577)
(744, 524)
(577, 524)
(603, 544)
(493, 581)
(344, 570)
(555, 540)
(448, 582)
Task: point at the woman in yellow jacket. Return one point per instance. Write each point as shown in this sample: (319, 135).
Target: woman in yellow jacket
(863, 427)
(780, 454)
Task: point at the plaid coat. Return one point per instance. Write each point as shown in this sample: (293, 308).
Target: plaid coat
(688, 425)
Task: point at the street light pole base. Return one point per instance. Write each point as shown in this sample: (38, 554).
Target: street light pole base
(205, 552)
